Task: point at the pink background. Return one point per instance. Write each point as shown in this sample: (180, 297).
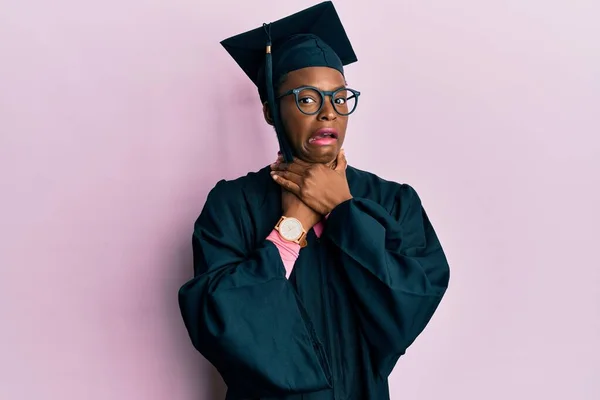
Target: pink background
(117, 117)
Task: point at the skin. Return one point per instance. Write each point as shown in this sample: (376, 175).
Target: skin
(315, 182)
(300, 127)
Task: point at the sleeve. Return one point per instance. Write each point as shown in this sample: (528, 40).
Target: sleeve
(395, 268)
(240, 311)
(288, 251)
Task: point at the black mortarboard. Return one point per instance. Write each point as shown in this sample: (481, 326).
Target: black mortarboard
(314, 37)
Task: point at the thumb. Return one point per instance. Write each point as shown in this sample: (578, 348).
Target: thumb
(341, 161)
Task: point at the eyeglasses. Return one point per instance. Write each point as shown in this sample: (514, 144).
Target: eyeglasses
(310, 100)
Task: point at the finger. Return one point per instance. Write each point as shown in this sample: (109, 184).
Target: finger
(301, 162)
(277, 162)
(287, 184)
(290, 176)
(294, 168)
(342, 164)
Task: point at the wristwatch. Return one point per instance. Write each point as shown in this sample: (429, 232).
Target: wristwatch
(291, 230)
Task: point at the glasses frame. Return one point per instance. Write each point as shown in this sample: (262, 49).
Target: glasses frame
(324, 93)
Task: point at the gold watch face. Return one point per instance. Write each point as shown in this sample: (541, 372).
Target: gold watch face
(290, 229)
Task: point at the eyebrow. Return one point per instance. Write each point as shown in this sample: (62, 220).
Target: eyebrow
(345, 85)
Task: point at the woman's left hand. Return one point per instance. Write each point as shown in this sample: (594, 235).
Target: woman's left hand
(318, 186)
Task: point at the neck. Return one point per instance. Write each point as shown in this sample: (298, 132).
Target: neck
(331, 164)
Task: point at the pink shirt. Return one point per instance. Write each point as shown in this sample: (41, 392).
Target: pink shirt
(289, 251)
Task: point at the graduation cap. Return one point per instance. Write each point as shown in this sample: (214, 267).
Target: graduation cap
(314, 37)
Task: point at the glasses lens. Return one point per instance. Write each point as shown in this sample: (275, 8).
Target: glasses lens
(345, 101)
(309, 101)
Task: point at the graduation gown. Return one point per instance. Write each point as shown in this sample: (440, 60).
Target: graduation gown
(357, 298)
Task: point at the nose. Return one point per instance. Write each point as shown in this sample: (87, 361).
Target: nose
(327, 113)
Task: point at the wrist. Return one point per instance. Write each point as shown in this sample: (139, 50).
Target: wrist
(339, 201)
(292, 230)
(306, 221)
(307, 217)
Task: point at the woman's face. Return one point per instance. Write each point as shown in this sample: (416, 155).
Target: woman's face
(314, 138)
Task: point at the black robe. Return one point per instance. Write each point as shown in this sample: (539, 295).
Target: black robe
(357, 298)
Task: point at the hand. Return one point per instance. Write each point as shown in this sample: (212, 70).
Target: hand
(294, 207)
(321, 188)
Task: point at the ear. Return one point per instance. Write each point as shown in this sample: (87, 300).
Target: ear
(267, 113)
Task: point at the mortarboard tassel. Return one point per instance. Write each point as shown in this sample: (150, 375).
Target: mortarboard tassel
(283, 143)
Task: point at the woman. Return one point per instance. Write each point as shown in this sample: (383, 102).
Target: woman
(311, 278)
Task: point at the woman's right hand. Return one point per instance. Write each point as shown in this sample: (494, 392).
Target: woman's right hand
(293, 207)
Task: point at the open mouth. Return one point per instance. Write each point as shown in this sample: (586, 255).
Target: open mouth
(324, 135)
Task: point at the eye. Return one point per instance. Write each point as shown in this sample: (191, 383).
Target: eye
(306, 100)
(341, 97)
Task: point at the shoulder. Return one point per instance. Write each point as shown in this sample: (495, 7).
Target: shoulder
(232, 206)
(240, 200)
(369, 185)
(232, 191)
